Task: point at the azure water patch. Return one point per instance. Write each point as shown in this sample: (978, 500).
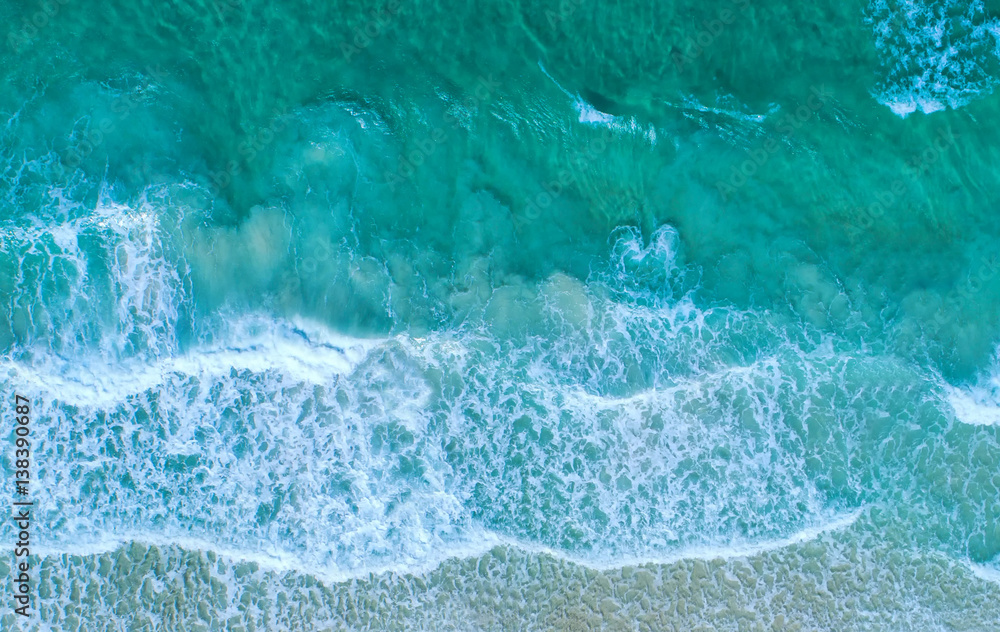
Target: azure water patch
(786, 127)
(33, 24)
(693, 47)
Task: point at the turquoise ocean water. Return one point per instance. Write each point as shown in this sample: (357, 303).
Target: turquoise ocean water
(503, 315)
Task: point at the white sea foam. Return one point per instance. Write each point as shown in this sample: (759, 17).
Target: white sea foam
(620, 429)
(691, 103)
(985, 572)
(299, 349)
(974, 405)
(590, 115)
(977, 404)
(111, 263)
(814, 583)
(935, 53)
(476, 545)
(724, 551)
(628, 426)
(227, 437)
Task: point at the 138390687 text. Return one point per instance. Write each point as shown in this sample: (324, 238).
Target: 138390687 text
(21, 513)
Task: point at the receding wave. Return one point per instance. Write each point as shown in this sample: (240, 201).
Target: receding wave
(478, 545)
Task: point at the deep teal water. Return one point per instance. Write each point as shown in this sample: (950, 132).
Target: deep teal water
(504, 315)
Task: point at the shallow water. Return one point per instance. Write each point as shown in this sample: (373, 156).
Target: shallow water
(504, 315)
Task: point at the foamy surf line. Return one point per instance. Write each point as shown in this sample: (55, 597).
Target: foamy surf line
(476, 546)
(972, 410)
(985, 572)
(732, 551)
(976, 404)
(284, 347)
(274, 561)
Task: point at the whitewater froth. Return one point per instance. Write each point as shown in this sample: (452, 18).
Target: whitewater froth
(937, 54)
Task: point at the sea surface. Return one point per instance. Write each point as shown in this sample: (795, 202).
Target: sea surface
(502, 314)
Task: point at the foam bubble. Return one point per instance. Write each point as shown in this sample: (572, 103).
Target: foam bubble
(590, 115)
(974, 406)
